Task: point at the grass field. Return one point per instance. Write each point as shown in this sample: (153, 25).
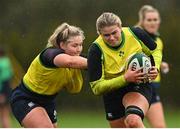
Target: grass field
(95, 119)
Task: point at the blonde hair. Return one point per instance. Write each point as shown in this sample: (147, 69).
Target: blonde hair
(63, 33)
(142, 12)
(107, 19)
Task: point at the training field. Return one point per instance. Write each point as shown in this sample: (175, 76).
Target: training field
(95, 119)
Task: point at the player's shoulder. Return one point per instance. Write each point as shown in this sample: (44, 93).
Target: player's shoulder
(51, 51)
(94, 47)
(47, 56)
(132, 31)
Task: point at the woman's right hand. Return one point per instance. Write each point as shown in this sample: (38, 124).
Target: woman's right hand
(136, 76)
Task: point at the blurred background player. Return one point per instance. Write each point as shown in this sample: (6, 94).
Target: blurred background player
(125, 101)
(149, 20)
(6, 74)
(57, 67)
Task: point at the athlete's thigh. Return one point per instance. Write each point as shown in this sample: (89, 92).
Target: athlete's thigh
(37, 118)
(135, 99)
(29, 113)
(155, 115)
(138, 95)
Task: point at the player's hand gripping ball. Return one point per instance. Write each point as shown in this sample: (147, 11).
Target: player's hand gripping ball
(140, 61)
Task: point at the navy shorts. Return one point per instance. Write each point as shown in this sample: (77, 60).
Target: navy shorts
(155, 95)
(23, 101)
(113, 100)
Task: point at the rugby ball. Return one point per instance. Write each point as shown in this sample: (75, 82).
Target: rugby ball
(137, 61)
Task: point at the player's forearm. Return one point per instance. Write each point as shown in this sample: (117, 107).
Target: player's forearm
(78, 62)
(102, 86)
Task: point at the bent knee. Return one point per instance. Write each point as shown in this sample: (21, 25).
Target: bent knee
(132, 120)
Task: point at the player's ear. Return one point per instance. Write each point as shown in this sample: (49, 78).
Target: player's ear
(62, 45)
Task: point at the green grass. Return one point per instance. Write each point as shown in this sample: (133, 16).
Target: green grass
(96, 119)
(89, 119)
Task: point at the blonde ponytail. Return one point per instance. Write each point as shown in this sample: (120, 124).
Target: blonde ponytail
(62, 33)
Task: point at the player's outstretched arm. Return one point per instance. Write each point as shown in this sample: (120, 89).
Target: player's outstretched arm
(68, 61)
